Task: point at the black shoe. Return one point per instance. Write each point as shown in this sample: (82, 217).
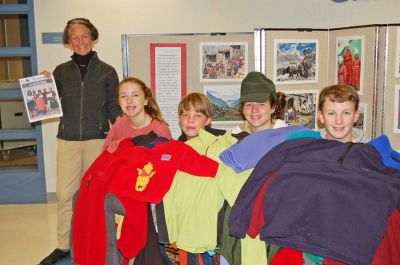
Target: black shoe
(54, 257)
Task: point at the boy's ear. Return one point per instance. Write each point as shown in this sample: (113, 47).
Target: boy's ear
(356, 116)
(208, 122)
(320, 116)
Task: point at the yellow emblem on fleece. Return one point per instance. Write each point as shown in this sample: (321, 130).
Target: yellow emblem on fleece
(144, 176)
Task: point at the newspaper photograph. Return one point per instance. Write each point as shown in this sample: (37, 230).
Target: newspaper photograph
(40, 97)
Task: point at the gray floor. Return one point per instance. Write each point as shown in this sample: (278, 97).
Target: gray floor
(27, 233)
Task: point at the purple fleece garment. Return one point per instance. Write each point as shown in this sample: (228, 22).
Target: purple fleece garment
(248, 152)
(328, 198)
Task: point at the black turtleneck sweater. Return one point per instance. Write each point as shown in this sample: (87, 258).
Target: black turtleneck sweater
(82, 62)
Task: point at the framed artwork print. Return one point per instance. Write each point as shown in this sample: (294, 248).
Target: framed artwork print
(350, 61)
(396, 115)
(397, 66)
(362, 120)
(295, 61)
(302, 108)
(225, 102)
(223, 61)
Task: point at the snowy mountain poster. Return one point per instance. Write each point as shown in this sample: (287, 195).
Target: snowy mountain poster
(295, 61)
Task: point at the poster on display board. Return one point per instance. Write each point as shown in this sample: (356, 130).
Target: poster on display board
(225, 102)
(223, 61)
(350, 61)
(362, 120)
(168, 80)
(396, 112)
(41, 98)
(301, 108)
(295, 61)
(397, 66)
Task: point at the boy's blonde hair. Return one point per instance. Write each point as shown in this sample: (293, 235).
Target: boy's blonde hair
(340, 94)
(198, 101)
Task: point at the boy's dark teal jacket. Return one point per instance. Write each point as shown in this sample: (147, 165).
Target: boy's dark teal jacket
(87, 106)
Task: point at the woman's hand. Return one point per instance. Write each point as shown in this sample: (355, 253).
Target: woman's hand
(46, 74)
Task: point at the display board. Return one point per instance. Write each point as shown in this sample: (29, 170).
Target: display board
(388, 113)
(297, 62)
(177, 64)
(289, 54)
(301, 62)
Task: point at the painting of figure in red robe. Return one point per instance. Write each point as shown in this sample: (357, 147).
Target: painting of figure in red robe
(350, 52)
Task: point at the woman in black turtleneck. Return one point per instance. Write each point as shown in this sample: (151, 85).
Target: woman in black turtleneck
(87, 89)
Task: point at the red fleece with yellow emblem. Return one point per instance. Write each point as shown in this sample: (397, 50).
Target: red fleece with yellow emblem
(135, 175)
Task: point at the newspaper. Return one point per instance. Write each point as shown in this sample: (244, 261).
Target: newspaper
(40, 97)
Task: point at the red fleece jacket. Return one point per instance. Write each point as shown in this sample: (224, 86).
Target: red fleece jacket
(136, 175)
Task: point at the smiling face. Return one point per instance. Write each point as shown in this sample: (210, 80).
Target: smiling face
(191, 121)
(132, 100)
(80, 39)
(258, 114)
(338, 119)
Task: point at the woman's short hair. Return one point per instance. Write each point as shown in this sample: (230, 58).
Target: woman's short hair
(94, 34)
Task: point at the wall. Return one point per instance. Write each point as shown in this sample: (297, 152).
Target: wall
(303, 13)
(117, 17)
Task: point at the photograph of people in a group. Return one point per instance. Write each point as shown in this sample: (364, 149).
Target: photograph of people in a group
(41, 98)
(301, 108)
(223, 61)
